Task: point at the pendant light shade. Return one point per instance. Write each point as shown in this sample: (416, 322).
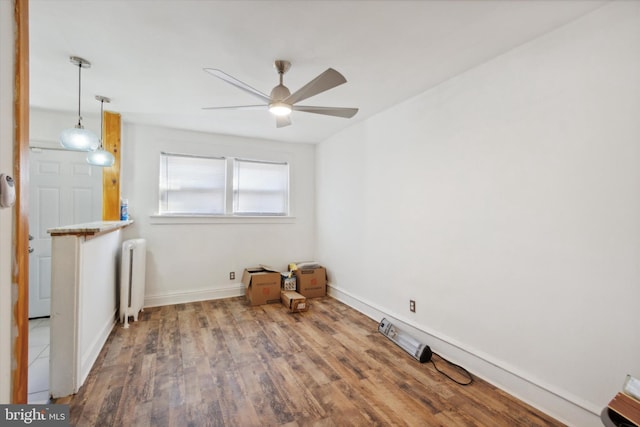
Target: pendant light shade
(100, 156)
(78, 138)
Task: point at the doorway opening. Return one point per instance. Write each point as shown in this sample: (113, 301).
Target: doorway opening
(63, 190)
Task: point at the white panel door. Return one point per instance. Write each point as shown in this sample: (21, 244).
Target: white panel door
(63, 190)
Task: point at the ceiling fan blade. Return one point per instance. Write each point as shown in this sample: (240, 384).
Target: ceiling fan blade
(282, 121)
(325, 81)
(347, 113)
(238, 107)
(237, 83)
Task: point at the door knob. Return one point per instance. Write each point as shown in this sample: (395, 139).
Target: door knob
(30, 237)
(30, 249)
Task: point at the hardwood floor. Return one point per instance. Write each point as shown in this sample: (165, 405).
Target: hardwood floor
(223, 363)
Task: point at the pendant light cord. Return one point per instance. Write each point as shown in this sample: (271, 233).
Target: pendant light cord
(101, 120)
(79, 93)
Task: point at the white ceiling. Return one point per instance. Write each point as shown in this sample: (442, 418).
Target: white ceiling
(148, 55)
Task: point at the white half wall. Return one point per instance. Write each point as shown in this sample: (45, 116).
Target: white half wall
(190, 259)
(83, 305)
(506, 202)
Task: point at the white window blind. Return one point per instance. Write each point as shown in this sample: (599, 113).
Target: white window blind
(192, 184)
(260, 188)
(198, 185)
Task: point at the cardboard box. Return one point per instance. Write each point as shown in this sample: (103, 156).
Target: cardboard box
(261, 286)
(288, 283)
(294, 302)
(312, 282)
(303, 265)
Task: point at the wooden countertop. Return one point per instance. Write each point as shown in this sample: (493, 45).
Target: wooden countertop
(89, 228)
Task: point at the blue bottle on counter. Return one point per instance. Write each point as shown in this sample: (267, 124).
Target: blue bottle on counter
(124, 210)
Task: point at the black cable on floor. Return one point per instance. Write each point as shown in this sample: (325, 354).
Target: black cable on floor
(460, 368)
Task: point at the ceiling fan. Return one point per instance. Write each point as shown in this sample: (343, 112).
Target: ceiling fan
(281, 101)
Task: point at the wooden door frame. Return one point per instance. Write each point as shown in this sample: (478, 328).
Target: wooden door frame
(20, 261)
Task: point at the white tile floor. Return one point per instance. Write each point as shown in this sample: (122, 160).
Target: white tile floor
(38, 361)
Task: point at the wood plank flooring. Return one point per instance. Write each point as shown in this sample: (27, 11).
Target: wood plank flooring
(224, 363)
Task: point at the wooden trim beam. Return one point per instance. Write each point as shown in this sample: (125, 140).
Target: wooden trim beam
(111, 175)
(20, 263)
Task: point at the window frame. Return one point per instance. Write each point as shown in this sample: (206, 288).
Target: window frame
(232, 187)
(229, 216)
(178, 213)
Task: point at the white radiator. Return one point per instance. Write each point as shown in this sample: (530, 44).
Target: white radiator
(132, 279)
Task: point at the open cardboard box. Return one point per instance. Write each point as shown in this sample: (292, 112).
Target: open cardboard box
(261, 286)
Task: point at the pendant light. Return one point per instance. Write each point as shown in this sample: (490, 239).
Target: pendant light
(100, 156)
(78, 138)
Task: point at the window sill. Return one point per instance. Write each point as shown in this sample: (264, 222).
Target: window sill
(219, 219)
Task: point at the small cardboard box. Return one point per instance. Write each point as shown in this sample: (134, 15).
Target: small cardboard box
(261, 286)
(312, 282)
(288, 283)
(294, 302)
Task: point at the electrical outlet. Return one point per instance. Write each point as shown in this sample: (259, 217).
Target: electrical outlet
(232, 275)
(412, 306)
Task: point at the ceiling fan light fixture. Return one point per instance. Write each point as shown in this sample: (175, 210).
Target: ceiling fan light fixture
(280, 108)
(281, 101)
(78, 138)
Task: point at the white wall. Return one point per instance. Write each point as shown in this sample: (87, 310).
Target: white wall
(191, 261)
(506, 202)
(6, 215)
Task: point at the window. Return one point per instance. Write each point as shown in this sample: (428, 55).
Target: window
(196, 185)
(192, 185)
(260, 188)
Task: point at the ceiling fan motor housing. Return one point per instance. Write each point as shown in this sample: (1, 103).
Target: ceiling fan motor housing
(280, 93)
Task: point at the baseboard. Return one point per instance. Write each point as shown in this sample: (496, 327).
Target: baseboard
(230, 291)
(89, 358)
(561, 405)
